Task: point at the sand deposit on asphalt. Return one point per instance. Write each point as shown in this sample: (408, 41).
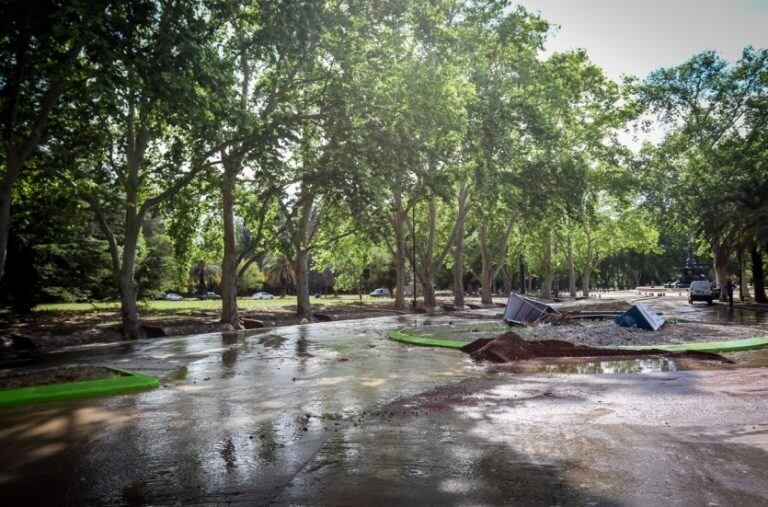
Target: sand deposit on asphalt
(598, 333)
(607, 332)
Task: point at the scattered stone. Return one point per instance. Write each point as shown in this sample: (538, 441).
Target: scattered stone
(253, 323)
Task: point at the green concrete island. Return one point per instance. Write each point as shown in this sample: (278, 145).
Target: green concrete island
(412, 339)
(713, 347)
(127, 382)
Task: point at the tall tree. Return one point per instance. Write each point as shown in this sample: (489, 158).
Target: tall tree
(43, 51)
(269, 45)
(152, 94)
(705, 104)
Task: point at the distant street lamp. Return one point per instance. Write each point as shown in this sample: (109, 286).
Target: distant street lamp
(522, 275)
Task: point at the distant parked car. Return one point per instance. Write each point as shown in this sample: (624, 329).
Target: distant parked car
(209, 295)
(172, 296)
(262, 295)
(381, 292)
(701, 290)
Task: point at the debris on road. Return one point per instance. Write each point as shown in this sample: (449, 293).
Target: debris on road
(639, 315)
(522, 310)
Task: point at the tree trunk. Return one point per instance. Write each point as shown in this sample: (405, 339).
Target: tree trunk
(458, 268)
(399, 227)
(571, 269)
(720, 255)
(586, 281)
(758, 277)
(743, 289)
(489, 270)
(546, 286)
(430, 302)
(508, 276)
(6, 194)
(229, 263)
(486, 273)
(400, 279)
(126, 283)
(303, 305)
(128, 308)
(430, 259)
(587, 272)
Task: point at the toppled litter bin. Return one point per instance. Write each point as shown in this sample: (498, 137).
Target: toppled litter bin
(522, 310)
(640, 316)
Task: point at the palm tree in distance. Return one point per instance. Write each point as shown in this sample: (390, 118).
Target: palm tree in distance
(204, 276)
(278, 270)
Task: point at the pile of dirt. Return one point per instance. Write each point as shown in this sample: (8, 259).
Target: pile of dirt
(57, 376)
(510, 346)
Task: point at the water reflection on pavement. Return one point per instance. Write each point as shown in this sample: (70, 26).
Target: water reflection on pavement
(337, 413)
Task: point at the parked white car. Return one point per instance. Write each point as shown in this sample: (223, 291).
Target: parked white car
(701, 290)
(381, 292)
(262, 295)
(172, 296)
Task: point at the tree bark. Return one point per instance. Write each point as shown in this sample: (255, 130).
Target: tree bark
(546, 286)
(128, 307)
(508, 275)
(486, 271)
(758, 277)
(743, 289)
(303, 305)
(398, 226)
(489, 270)
(430, 301)
(571, 268)
(431, 259)
(586, 280)
(587, 267)
(126, 283)
(6, 194)
(458, 268)
(400, 278)
(720, 255)
(301, 246)
(18, 151)
(229, 314)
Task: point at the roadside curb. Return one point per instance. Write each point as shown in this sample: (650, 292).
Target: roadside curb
(410, 339)
(713, 347)
(131, 381)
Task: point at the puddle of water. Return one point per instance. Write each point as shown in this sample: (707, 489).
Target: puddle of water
(749, 358)
(593, 367)
(722, 314)
(272, 341)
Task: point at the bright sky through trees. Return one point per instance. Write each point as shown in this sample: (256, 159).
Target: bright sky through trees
(636, 37)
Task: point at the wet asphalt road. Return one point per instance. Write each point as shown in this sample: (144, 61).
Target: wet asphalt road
(336, 414)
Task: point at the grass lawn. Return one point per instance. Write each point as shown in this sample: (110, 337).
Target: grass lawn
(188, 305)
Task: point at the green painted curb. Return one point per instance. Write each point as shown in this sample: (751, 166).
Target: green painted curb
(714, 347)
(56, 392)
(410, 339)
(727, 346)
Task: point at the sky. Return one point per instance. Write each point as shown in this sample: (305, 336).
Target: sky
(638, 36)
